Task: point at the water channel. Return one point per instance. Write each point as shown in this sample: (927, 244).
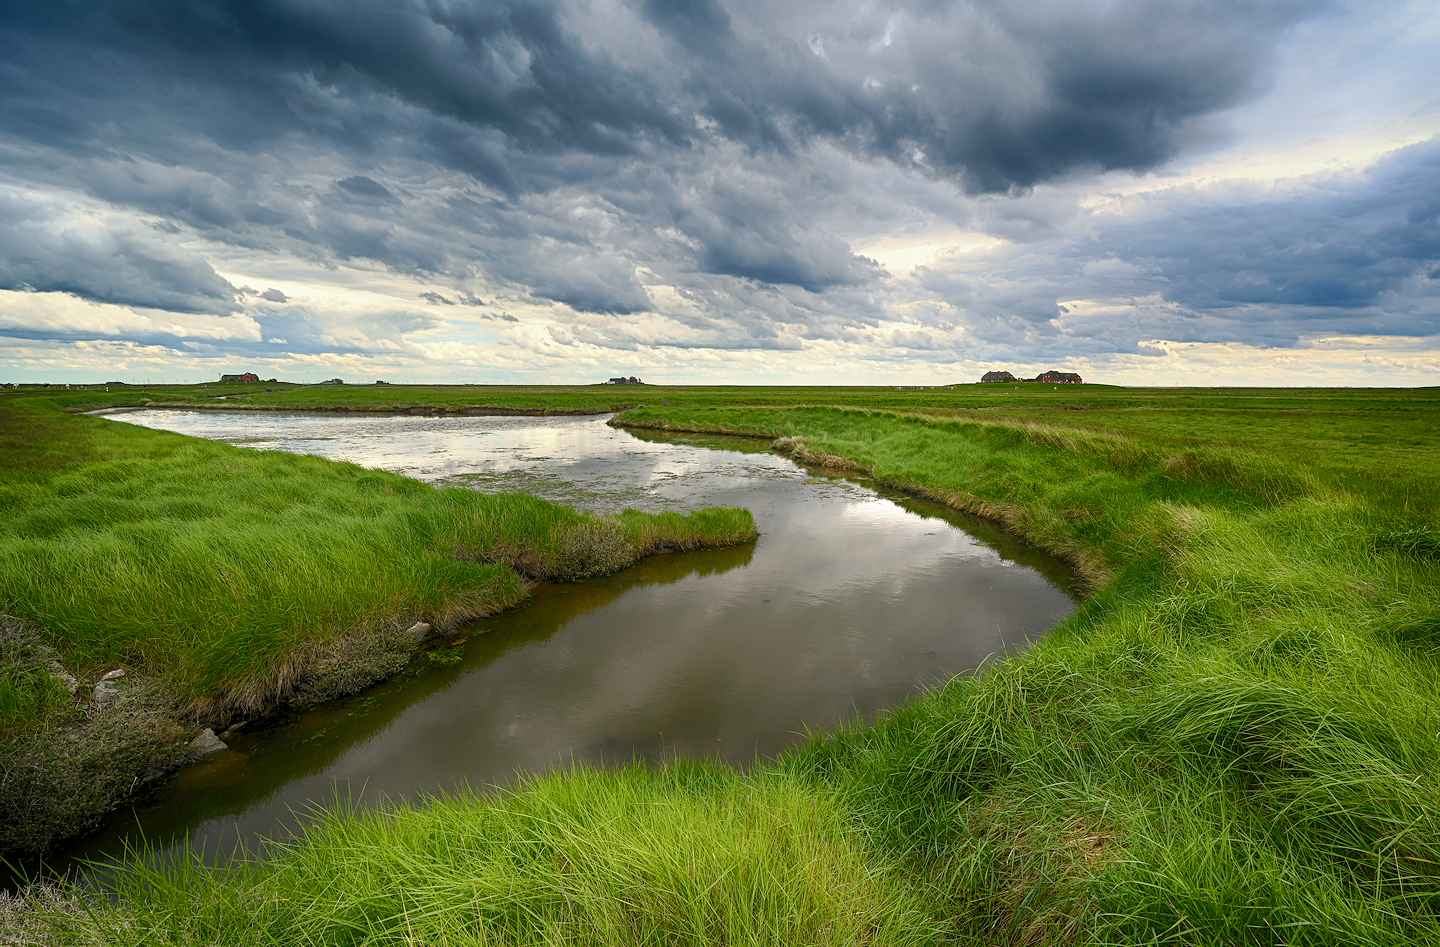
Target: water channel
(852, 599)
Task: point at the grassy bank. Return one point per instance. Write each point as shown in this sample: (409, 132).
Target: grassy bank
(1232, 741)
(685, 856)
(224, 580)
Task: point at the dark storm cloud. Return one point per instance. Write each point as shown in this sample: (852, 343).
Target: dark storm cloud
(508, 66)
(1000, 94)
(997, 95)
(567, 149)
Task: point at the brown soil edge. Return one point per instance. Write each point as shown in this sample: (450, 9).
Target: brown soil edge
(1091, 571)
(60, 778)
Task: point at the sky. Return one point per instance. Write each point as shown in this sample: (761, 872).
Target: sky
(1174, 192)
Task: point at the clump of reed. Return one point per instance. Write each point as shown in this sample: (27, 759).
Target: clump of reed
(692, 854)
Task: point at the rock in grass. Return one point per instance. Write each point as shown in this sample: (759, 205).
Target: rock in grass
(207, 743)
(64, 677)
(107, 689)
(419, 630)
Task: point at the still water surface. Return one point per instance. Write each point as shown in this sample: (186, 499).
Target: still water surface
(851, 600)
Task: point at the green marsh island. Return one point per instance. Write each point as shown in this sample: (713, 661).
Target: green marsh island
(1232, 739)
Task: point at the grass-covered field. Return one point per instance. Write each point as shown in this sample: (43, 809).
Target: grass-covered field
(223, 580)
(1234, 740)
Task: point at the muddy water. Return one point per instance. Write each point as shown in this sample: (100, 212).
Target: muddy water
(850, 601)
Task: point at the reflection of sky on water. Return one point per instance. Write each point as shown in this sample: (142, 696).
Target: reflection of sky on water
(849, 602)
(578, 461)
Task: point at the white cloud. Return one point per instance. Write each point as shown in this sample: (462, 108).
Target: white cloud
(741, 192)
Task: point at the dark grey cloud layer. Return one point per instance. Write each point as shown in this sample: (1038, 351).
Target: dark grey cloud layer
(583, 154)
(1000, 94)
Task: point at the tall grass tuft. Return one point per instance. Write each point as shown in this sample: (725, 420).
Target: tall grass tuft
(693, 854)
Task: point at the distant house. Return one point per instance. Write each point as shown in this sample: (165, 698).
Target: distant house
(993, 377)
(382, 383)
(1053, 377)
(632, 380)
(247, 378)
(333, 381)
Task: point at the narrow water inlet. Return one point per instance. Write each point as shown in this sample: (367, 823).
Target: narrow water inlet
(852, 600)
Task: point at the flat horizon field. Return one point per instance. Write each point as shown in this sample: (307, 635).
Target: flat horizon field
(1231, 741)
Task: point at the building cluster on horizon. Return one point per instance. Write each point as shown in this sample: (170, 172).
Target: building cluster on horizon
(1051, 377)
(247, 378)
(632, 380)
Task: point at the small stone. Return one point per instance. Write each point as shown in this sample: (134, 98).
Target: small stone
(113, 675)
(107, 693)
(207, 743)
(65, 677)
(420, 629)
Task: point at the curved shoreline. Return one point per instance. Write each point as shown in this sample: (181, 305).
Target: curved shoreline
(1092, 572)
(80, 758)
(116, 754)
(1055, 572)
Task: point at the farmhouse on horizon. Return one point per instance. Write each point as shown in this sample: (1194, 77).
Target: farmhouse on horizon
(247, 378)
(1052, 377)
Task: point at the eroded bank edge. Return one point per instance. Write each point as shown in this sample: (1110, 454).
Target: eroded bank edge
(122, 731)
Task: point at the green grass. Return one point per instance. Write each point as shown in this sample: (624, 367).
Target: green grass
(228, 571)
(1233, 740)
(685, 856)
(225, 581)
